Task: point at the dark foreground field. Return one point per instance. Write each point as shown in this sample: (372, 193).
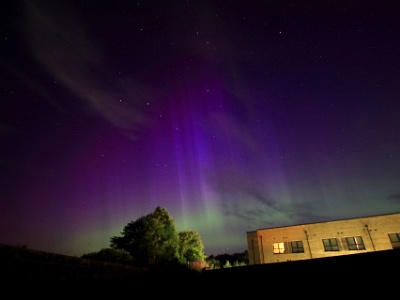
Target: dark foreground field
(355, 275)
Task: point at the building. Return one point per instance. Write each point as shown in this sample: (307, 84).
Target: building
(324, 239)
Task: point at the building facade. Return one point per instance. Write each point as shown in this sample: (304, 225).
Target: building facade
(324, 239)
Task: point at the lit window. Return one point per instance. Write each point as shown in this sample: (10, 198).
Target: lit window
(355, 243)
(330, 244)
(297, 247)
(279, 248)
(395, 240)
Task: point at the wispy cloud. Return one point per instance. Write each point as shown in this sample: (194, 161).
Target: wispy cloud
(59, 42)
(394, 197)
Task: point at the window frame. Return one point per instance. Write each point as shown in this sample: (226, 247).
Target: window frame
(280, 249)
(394, 240)
(355, 243)
(331, 244)
(298, 246)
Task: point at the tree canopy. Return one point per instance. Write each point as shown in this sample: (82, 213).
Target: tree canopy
(190, 246)
(153, 240)
(111, 255)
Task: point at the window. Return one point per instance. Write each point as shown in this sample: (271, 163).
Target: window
(395, 240)
(297, 247)
(355, 243)
(330, 244)
(279, 248)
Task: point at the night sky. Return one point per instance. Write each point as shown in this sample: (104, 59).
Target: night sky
(232, 115)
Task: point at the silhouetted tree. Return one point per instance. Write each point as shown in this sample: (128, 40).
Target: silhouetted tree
(150, 240)
(228, 260)
(111, 255)
(190, 247)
